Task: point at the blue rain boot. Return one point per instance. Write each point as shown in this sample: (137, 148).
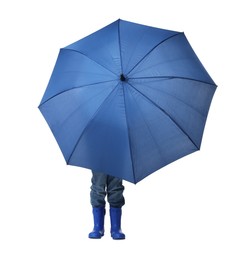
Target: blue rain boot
(98, 217)
(115, 215)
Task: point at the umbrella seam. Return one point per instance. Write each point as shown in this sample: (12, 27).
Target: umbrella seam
(177, 98)
(120, 49)
(174, 121)
(86, 127)
(175, 77)
(90, 59)
(152, 50)
(129, 137)
(78, 108)
(147, 125)
(82, 86)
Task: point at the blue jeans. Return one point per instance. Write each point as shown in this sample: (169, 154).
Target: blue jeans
(103, 185)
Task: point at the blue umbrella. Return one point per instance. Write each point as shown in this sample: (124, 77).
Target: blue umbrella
(128, 100)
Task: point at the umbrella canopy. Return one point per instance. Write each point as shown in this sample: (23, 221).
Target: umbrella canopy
(128, 100)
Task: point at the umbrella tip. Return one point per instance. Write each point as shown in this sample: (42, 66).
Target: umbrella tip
(122, 77)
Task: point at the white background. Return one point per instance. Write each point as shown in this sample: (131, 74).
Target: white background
(179, 212)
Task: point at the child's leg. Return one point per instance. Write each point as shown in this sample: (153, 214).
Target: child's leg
(115, 191)
(116, 200)
(98, 190)
(97, 195)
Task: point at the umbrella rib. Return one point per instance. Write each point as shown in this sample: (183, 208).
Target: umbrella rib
(177, 98)
(86, 127)
(151, 51)
(146, 123)
(91, 59)
(120, 46)
(129, 138)
(86, 85)
(175, 77)
(173, 120)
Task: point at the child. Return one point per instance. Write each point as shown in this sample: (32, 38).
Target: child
(103, 185)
